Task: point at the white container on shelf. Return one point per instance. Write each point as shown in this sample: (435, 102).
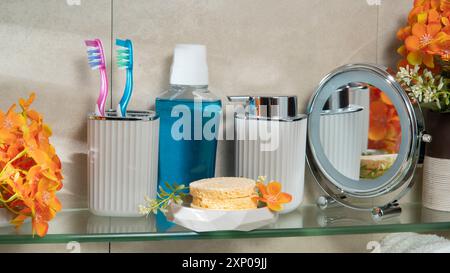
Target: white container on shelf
(271, 141)
(101, 225)
(122, 162)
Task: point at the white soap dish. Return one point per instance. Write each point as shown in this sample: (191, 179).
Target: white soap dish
(205, 220)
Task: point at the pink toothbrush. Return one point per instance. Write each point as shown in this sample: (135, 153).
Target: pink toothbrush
(96, 58)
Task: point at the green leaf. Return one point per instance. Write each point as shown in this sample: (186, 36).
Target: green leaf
(163, 192)
(168, 186)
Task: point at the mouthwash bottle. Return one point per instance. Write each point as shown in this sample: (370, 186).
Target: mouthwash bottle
(189, 120)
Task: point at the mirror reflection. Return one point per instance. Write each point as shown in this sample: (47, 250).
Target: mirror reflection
(360, 131)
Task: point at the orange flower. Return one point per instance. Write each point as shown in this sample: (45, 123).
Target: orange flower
(427, 33)
(11, 121)
(25, 104)
(420, 42)
(427, 4)
(30, 170)
(441, 44)
(272, 196)
(404, 33)
(40, 220)
(384, 125)
(378, 120)
(445, 6)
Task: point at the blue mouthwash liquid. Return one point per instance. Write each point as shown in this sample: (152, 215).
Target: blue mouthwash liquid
(189, 124)
(186, 152)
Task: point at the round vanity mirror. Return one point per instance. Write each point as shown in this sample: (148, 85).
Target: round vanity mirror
(364, 137)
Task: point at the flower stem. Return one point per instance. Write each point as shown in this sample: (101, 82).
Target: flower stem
(10, 199)
(19, 155)
(10, 209)
(6, 189)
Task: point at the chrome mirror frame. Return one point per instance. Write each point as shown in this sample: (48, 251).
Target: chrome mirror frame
(398, 180)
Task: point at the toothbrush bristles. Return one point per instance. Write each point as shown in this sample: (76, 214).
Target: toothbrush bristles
(95, 65)
(123, 65)
(93, 58)
(124, 54)
(123, 58)
(94, 52)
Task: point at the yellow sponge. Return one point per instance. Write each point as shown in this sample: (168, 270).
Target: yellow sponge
(224, 204)
(223, 193)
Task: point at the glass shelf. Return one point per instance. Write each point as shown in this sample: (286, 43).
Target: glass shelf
(82, 226)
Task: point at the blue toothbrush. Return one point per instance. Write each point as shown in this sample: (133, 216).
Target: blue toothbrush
(125, 61)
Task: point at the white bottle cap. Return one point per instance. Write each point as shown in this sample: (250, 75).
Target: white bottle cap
(189, 65)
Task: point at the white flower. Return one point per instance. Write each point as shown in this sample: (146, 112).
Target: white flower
(441, 84)
(143, 210)
(425, 87)
(420, 80)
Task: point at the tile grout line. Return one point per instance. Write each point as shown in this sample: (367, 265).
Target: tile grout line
(111, 52)
(109, 243)
(378, 33)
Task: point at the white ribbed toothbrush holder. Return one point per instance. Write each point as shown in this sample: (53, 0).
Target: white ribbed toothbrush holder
(122, 162)
(270, 141)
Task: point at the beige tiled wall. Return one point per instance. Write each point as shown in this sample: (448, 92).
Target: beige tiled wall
(392, 16)
(254, 47)
(42, 50)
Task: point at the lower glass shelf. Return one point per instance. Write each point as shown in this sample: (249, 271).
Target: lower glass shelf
(82, 226)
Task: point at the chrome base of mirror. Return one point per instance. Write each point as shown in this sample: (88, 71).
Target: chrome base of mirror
(325, 202)
(390, 210)
(427, 138)
(329, 221)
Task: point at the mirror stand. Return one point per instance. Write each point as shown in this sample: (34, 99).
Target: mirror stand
(326, 202)
(388, 211)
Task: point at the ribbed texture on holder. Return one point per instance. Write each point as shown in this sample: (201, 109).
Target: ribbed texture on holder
(436, 184)
(285, 163)
(122, 165)
(102, 225)
(341, 139)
